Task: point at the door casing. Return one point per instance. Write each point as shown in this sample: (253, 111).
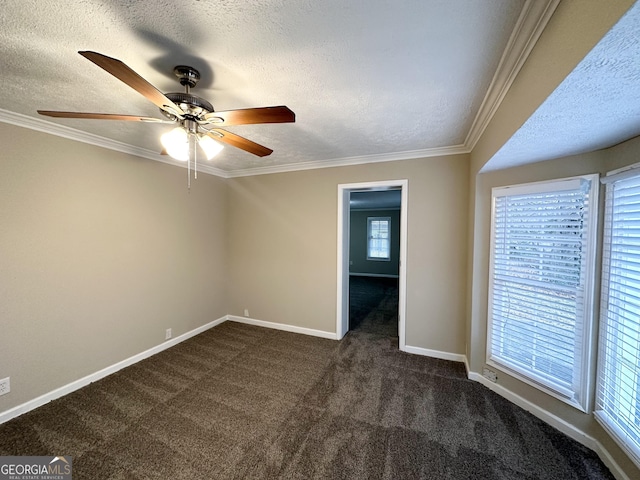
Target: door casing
(342, 304)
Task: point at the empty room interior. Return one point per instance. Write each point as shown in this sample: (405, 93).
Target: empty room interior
(402, 245)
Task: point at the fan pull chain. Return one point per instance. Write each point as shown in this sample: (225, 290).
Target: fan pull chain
(192, 155)
(189, 168)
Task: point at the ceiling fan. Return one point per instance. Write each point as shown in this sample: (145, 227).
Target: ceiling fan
(198, 123)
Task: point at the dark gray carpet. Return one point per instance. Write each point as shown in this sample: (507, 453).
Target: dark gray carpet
(373, 305)
(245, 402)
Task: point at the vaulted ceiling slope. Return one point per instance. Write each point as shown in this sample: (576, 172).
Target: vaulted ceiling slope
(369, 80)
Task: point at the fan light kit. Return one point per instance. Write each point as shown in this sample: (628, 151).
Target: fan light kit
(198, 123)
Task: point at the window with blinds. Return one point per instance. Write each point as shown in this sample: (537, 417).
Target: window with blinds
(542, 263)
(378, 238)
(618, 387)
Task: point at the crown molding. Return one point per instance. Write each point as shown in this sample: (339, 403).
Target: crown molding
(347, 161)
(532, 21)
(58, 130)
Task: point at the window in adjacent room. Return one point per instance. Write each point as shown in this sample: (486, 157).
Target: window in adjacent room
(618, 389)
(542, 263)
(378, 238)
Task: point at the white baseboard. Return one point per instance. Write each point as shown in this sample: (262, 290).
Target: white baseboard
(539, 412)
(283, 326)
(426, 352)
(84, 381)
(556, 422)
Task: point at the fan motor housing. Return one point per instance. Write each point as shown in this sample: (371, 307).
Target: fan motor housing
(191, 105)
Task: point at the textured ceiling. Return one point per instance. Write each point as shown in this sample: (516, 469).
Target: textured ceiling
(595, 107)
(364, 77)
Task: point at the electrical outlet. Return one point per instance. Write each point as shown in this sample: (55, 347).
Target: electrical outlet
(246, 312)
(5, 386)
(167, 334)
(490, 375)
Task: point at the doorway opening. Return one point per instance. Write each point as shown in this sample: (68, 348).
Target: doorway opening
(384, 269)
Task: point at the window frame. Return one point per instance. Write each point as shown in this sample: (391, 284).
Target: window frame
(602, 416)
(580, 398)
(369, 238)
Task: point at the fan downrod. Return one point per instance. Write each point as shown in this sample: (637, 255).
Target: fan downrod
(189, 76)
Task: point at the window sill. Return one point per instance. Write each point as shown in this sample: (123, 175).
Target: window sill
(563, 397)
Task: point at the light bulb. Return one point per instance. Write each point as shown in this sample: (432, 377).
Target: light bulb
(209, 146)
(176, 142)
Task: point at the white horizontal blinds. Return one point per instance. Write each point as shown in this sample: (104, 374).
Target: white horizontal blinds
(537, 304)
(379, 237)
(618, 392)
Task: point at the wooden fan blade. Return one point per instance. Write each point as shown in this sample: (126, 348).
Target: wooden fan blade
(123, 73)
(100, 116)
(248, 116)
(239, 142)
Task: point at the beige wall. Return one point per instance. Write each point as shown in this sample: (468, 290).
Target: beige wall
(283, 246)
(100, 253)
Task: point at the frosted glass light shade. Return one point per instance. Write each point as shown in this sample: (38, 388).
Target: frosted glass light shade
(209, 146)
(176, 142)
